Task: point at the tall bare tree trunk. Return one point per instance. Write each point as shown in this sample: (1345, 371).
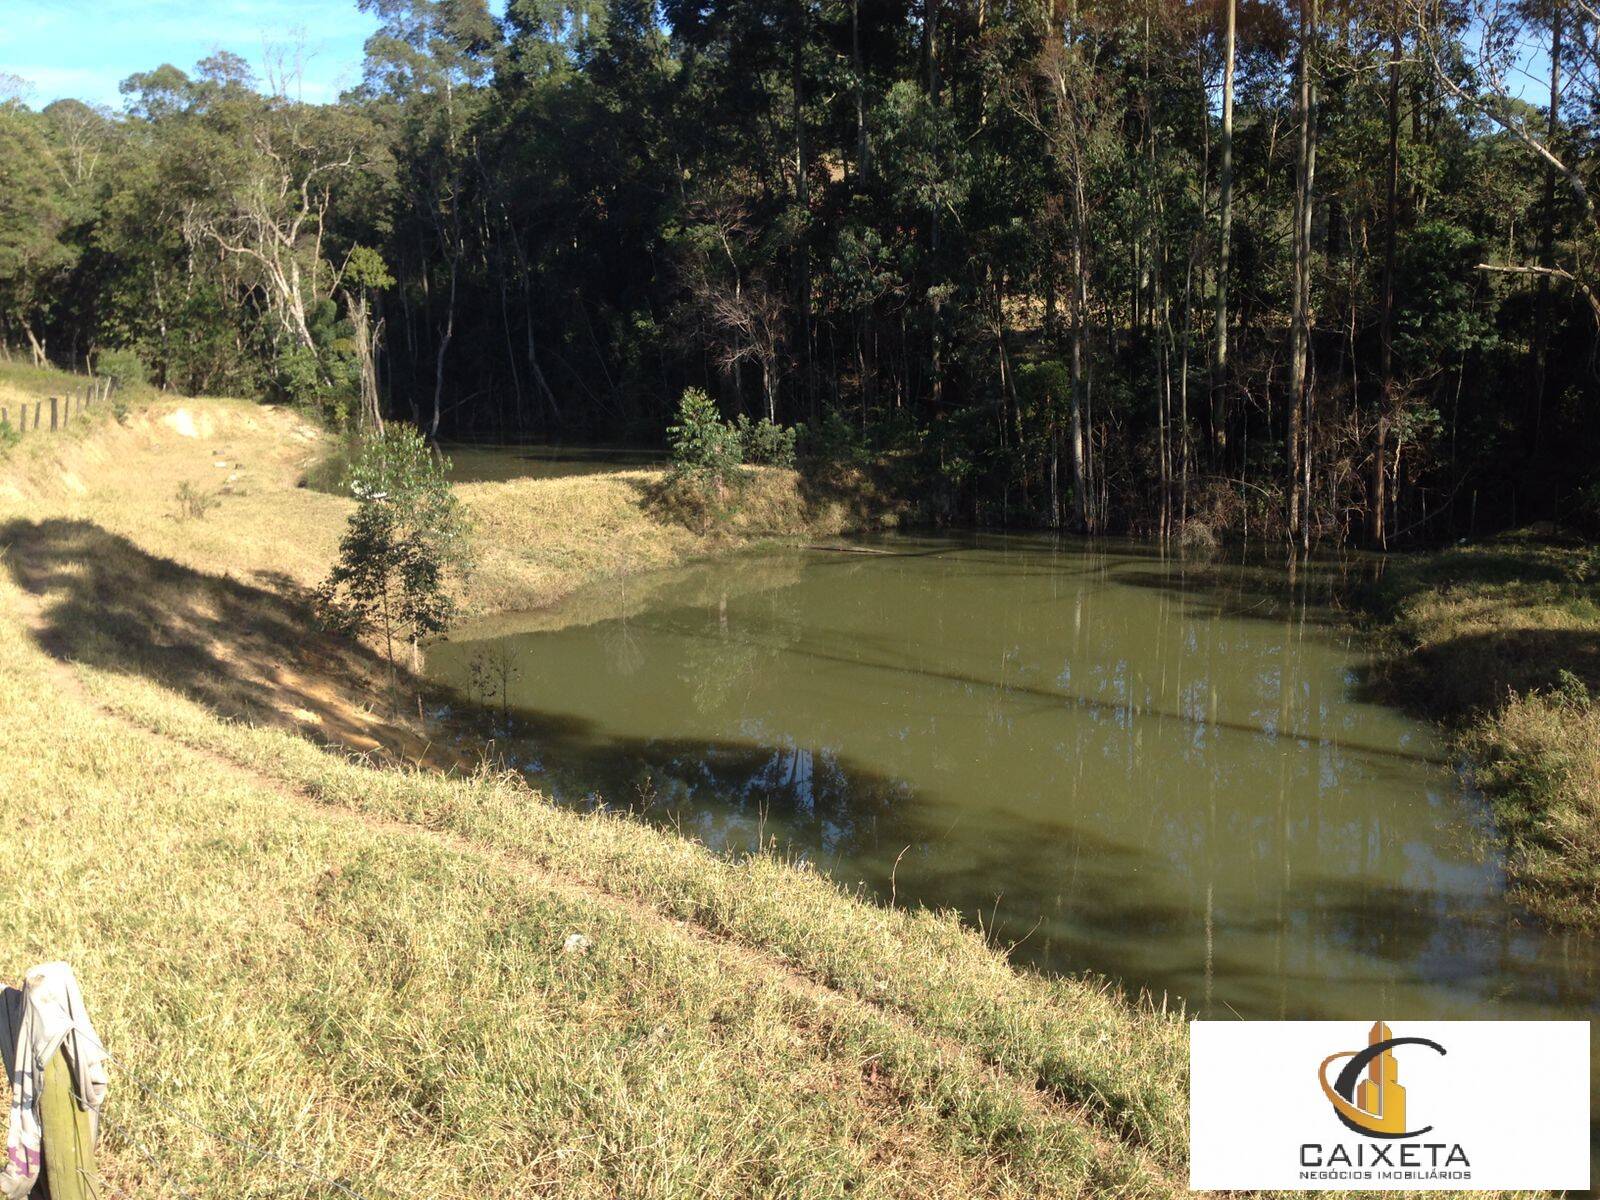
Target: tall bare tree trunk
(1380, 477)
(35, 347)
(1300, 316)
(367, 337)
(1547, 233)
(1219, 365)
(1080, 317)
(930, 35)
(1183, 391)
(444, 345)
(863, 147)
(802, 195)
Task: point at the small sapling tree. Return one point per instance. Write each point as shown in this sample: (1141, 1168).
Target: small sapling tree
(704, 447)
(406, 542)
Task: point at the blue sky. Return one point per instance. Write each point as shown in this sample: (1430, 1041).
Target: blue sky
(84, 48)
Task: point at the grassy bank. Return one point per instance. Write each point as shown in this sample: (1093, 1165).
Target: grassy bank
(1501, 641)
(538, 540)
(371, 971)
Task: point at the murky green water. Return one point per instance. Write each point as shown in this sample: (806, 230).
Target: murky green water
(475, 464)
(1163, 772)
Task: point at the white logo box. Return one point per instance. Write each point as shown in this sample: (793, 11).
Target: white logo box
(1505, 1106)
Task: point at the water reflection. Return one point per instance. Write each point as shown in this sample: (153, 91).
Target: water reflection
(498, 463)
(1158, 771)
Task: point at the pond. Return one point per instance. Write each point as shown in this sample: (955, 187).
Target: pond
(1165, 772)
(498, 463)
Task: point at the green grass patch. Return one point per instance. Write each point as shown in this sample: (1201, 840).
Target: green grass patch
(1501, 642)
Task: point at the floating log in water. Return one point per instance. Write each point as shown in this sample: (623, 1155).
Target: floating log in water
(856, 550)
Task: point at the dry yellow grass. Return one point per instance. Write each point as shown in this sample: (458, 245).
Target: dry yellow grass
(101, 506)
(1539, 759)
(24, 384)
(539, 539)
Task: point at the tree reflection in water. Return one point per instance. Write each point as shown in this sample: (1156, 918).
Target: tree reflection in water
(1162, 771)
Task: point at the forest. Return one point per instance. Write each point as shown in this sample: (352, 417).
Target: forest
(1316, 272)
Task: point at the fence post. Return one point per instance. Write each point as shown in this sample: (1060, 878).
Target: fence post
(68, 1140)
(38, 413)
(54, 415)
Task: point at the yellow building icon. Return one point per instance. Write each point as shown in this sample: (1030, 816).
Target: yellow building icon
(1380, 1093)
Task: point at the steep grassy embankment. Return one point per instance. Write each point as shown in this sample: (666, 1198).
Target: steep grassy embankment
(1501, 641)
(366, 970)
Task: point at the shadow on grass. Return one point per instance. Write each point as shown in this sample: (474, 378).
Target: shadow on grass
(1511, 615)
(1476, 672)
(246, 652)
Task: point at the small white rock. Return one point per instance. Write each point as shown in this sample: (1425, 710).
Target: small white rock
(576, 943)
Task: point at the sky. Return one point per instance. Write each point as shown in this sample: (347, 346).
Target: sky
(84, 48)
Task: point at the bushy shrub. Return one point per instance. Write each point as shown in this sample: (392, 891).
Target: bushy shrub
(765, 442)
(9, 436)
(122, 366)
(193, 504)
(704, 446)
(297, 374)
(1197, 536)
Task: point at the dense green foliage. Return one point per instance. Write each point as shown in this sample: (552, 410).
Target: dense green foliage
(123, 367)
(765, 442)
(991, 239)
(704, 446)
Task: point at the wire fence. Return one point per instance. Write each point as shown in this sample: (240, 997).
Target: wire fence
(56, 411)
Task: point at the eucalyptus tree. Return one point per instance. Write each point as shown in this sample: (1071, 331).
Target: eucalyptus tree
(33, 216)
(424, 75)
